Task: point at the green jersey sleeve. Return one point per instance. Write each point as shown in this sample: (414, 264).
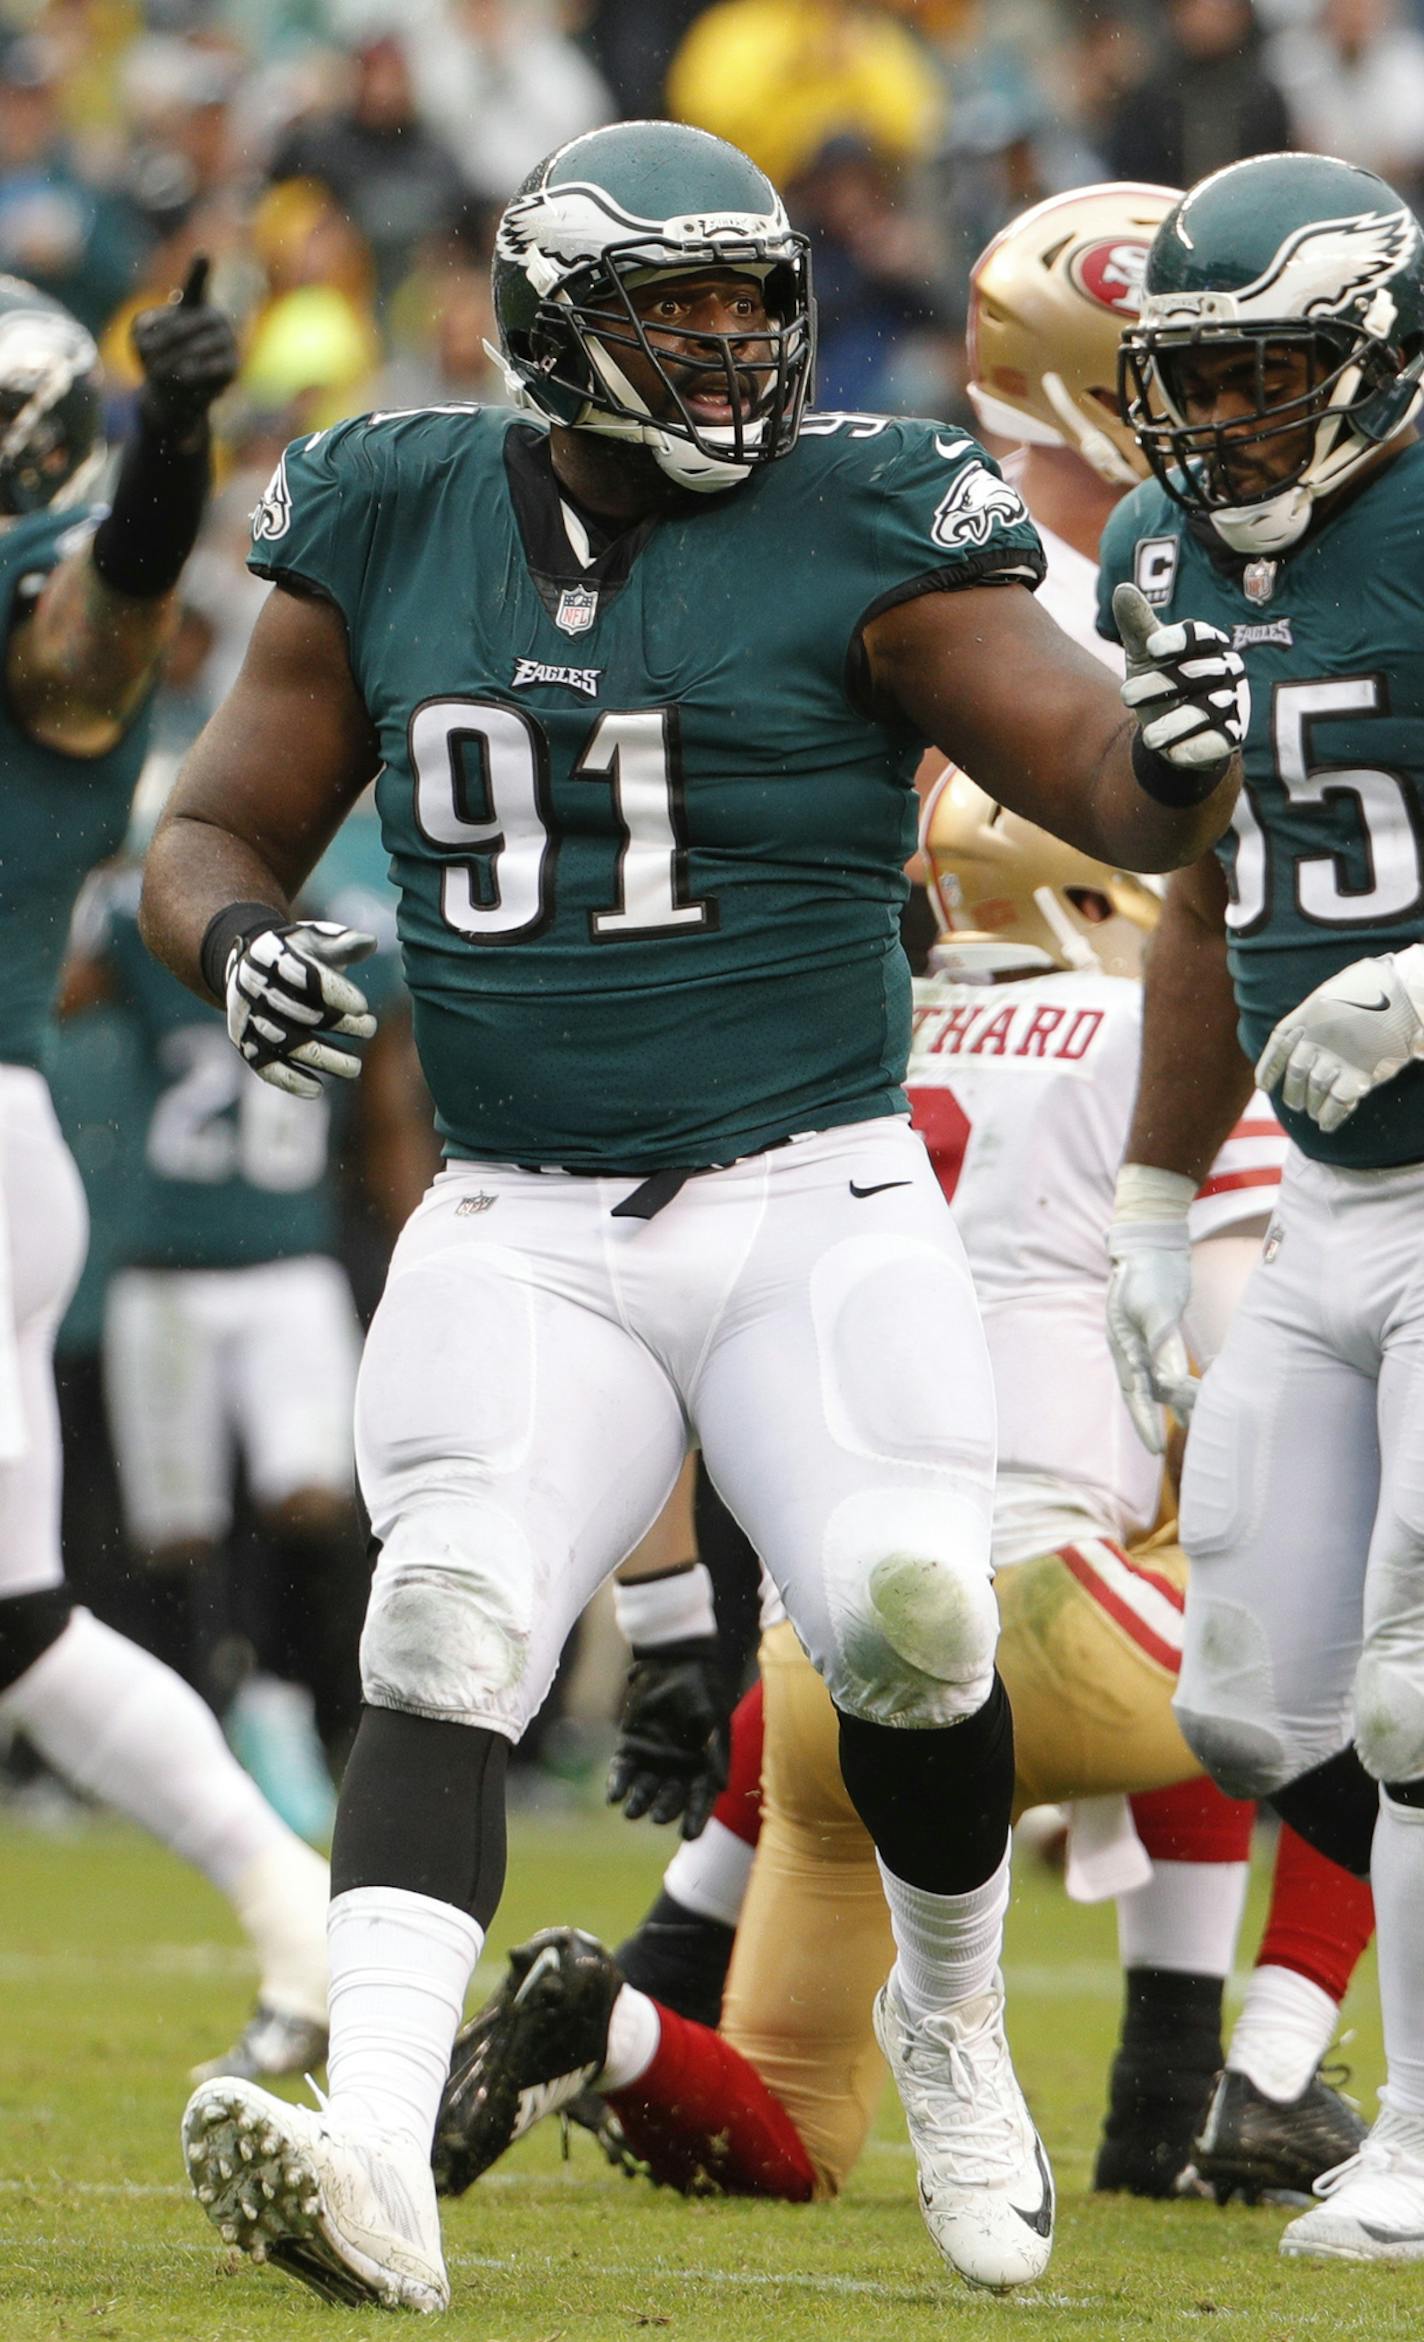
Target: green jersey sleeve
(317, 516)
(946, 517)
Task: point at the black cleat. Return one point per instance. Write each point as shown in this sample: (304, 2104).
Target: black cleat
(1262, 2150)
(529, 2052)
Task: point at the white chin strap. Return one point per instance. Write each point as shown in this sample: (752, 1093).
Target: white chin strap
(1266, 528)
(687, 466)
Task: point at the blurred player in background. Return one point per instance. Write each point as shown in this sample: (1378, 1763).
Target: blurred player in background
(86, 602)
(1273, 379)
(230, 1330)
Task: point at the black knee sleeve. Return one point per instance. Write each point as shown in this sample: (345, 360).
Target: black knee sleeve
(937, 1803)
(422, 1808)
(731, 1563)
(1405, 1792)
(29, 1623)
(1335, 1808)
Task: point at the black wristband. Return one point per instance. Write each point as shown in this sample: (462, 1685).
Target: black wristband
(1176, 785)
(224, 929)
(152, 524)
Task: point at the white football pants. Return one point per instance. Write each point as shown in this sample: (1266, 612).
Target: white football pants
(537, 1369)
(1303, 1495)
(44, 1228)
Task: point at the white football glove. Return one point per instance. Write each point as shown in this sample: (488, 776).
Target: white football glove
(1185, 684)
(284, 995)
(1359, 1028)
(1148, 1290)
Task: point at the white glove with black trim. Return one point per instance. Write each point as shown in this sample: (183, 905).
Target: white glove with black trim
(285, 996)
(1359, 1028)
(1148, 1289)
(1185, 685)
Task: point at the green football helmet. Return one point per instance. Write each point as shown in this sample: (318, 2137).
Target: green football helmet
(1270, 258)
(50, 402)
(624, 207)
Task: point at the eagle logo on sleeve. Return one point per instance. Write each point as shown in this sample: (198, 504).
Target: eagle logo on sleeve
(975, 508)
(273, 516)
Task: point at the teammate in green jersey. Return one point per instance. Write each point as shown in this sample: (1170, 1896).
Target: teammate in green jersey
(1273, 378)
(86, 603)
(648, 676)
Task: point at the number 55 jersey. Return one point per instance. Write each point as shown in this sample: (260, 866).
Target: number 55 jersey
(1325, 857)
(647, 826)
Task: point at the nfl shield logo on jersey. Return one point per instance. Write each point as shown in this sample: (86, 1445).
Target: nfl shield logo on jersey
(578, 607)
(1258, 580)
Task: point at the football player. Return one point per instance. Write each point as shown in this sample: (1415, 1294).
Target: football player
(649, 667)
(1048, 301)
(230, 1328)
(1272, 379)
(86, 604)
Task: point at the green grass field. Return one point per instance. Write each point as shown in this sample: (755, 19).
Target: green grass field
(119, 1969)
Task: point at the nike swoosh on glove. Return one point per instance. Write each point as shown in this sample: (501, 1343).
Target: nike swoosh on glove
(1359, 1028)
(1185, 685)
(286, 995)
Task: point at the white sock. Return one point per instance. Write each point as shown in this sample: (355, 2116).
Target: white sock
(709, 1874)
(400, 1964)
(948, 1946)
(1397, 1876)
(634, 2032)
(116, 1723)
(281, 1899)
(1185, 1918)
(1284, 2029)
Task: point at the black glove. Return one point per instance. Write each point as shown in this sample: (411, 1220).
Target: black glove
(188, 352)
(673, 1743)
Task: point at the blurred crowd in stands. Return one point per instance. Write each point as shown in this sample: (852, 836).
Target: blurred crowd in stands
(344, 162)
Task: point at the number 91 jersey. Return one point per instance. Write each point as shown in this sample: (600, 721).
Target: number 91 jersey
(1325, 857)
(647, 830)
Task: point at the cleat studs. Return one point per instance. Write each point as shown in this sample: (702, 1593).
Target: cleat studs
(224, 2168)
(228, 2232)
(292, 2175)
(199, 2151)
(248, 2119)
(248, 2209)
(268, 2191)
(259, 2252)
(269, 2142)
(246, 2150)
(213, 2114)
(206, 2195)
(310, 2205)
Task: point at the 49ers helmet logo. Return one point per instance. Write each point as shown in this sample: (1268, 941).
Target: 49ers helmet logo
(1110, 272)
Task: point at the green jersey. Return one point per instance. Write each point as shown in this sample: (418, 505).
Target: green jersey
(647, 827)
(1324, 861)
(59, 815)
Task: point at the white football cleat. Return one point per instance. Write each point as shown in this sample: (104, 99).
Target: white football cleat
(986, 2191)
(1373, 2206)
(355, 2219)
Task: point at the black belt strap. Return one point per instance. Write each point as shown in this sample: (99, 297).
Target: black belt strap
(648, 1199)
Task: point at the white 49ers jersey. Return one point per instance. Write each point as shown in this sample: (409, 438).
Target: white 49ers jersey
(1023, 1093)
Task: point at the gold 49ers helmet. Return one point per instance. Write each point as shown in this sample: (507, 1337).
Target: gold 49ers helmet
(1047, 302)
(1010, 896)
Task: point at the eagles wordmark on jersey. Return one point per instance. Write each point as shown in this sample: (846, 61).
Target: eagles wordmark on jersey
(647, 829)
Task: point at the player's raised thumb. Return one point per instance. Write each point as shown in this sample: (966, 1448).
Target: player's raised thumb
(334, 946)
(1134, 618)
